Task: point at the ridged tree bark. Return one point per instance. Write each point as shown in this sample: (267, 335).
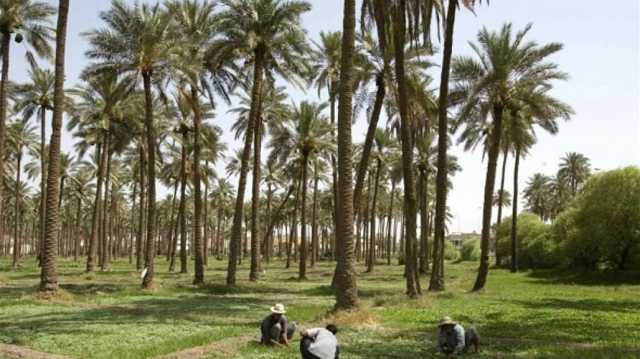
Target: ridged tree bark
(494, 151)
(500, 198)
(236, 229)
(197, 220)
(4, 80)
(254, 271)
(102, 150)
(436, 282)
(514, 215)
(314, 217)
(147, 281)
(43, 178)
(16, 234)
(49, 275)
(181, 208)
(412, 284)
(372, 236)
(302, 267)
(346, 287)
(142, 209)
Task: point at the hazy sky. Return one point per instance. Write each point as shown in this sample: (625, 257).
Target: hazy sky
(601, 55)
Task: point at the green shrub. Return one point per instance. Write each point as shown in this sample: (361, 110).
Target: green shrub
(603, 228)
(535, 245)
(470, 250)
(451, 253)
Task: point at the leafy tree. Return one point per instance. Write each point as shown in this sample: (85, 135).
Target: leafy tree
(21, 19)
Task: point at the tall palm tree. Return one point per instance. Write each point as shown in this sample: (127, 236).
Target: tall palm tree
(502, 75)
(137, 41)
(99, 101)
(196, 25)
(537, 194)
(383, 143)
(301, 139)
(345, 276)
(268, 33)
(36, 98)
(437, 282)
(574, 169)
(20, 19)
(327, 55)
(20, 136)
(539, 110)
(49, 275)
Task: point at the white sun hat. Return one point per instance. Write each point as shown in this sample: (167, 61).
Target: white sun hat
(278, 309)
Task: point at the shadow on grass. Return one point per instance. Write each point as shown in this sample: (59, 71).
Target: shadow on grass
(601, 278)
(589, 305)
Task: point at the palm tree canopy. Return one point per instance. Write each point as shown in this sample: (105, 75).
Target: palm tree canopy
(31, 20)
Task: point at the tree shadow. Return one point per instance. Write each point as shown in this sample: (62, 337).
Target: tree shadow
(599, 278)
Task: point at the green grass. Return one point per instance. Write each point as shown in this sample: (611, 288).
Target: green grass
(107, 315)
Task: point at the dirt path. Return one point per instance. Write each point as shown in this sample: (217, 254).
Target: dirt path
(223, 348)
(15, 352)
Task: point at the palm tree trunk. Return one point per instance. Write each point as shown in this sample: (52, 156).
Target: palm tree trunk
(236, 230)
(254, 271)
(16, 236)
(514, 216)
(302, 269)
(76, 244)
(345, 276)
(181, 209)
(150, 130)
(334, 164)
(372, 240)
(368, 141)
(140, 236)
(102, 150)
(424, 232)
(412, 285)
(172, 222)
(104, 231)
(293, 232)
(436, 282)
(6, 44)
(49, 275)
(197, 220)
(500, 198)
(267, 245)
(314, 217)
(43, 178)
(390, 217)
(494, 151)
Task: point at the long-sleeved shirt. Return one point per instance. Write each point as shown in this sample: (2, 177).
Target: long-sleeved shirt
(451, 339)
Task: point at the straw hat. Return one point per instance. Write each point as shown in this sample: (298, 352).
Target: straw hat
(446, 321)
(278, 309)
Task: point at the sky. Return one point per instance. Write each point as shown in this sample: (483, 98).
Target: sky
(601, 54)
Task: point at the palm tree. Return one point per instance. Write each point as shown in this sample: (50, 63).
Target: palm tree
(196, 25)
(137, 41)
(49, 275)
(383, 143)
(345, 276)
(327, 67)
(301, 139)
(520, 128)
(99, 101)
(492, 85)
(537, 194)
(574, 169)
(36, 97)
(269, 33)
(21, 19)
(21, 136)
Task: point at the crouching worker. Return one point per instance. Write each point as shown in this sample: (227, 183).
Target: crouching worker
(275, 328)
(452, 338)
(320, 343)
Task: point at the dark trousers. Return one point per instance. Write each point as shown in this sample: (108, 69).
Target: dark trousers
(304, 348)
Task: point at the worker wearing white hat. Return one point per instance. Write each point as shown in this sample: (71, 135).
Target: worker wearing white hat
(276, 328)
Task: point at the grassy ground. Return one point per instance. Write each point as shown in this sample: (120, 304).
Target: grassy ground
(106, 315)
